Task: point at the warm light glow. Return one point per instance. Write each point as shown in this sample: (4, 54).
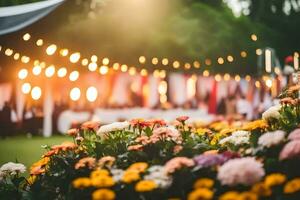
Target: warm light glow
(142, 59)
(26, 37)
(230, 58)
(253, 37)
(221, 60)
(196, 64)
(187, 66)
(116, 66)
(64, 52)
(51, 49)
(62, 72)
(248, 78)
(258, 52)
(132, 71)
(16, 56)
(23, 73)
(162, 74)
(218, 77)
(205, 73)
(226, 77)
(154, 61)
(144, 72)
(8, 52)
(36, 93)
(39, 42)
(257, 84)
(105, 61)
(243, 54)
(93, 66)
(49, 72)
(26, 87)
(237, 78)
(74, 75)
(268, 61)
(75, 94)
(36, 70)
(84, 62)
(162, 87)
(156, 73)
(74, 57)
(269, 83)
(277, 70)
(296, 60)
(176, 64)
(94, 58)
(207, 61)
(103, 70)
(163, 98)
(191, 87)
(91, 94)
(124, 68)
(165, 61)
(25, 59)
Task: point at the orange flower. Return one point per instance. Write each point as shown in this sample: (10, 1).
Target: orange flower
(159, 122)
(137, 147)
(72, 132)
(90, 126)
(39, 166)
(177, 149)
(86, 162)
(182, 118)
(107, 161)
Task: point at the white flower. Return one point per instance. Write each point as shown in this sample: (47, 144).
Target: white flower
(241, 171)
(158, 174)
(12, 168)
(288, 70)
(271, 138)
(116, 126)
(117, 174)
(237, 138)
(272, 113)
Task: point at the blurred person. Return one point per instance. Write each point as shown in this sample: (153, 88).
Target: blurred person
(221, 108)
(230, 105)
(244, 107)
(5, 120)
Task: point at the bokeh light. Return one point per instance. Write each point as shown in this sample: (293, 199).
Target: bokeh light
(91, 94)
(49, 72)
(36, 70)
(23, 73)
(103, 70)
(75, 94)
(74, 75)
(26, 87)
(51, 49)
(92, 66)
(74, 57)
(62, 72)
(36, 93)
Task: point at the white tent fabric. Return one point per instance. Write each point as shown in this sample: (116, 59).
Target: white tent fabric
(13, 18)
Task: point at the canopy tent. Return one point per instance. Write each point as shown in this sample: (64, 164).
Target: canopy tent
(13, 18)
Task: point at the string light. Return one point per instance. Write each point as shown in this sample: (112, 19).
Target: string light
(16, 56)
(248, 78)
(116, 66)
(132, 71)
(92, 66)
(91, 94)
(230, 58)
(51, 49)
(49, 72)
(154, 61)
(269, 83)
(237, 78)
(257, 84)
(144, 72)
(36, 93)
(243, 54)
(84, 62)
(196, 64)
(258, 52)
(142, 59)
(207, 61)
(105, 61)
(156, 73)
(25, 59)
(74, 57)
(187, 66)
(221, 60)
(26, 37)
(218, 77)
(176, 64)
(75, 94)
(165, 61)
(103, 70)
(62, 72)
(74, 75)
(26, 87)
(162, 74)
(39, 42)
(36, 70)
(64, 52)
(226, 77)
(253, 37)
(94, 58)
(206, 73)
(124, 68)
(23, 73)
(8, 52)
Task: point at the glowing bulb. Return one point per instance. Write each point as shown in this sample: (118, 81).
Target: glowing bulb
(91, 94)
(269, 83)
(154, 61)
(26, 37)
(207, 62)
(62, 72)
(84, 62)
(116, 66)
(253, 37)
(39, 42)
(165, 61)
(258, 52)
(221, 60)
(162, 74)
(74, 57)
(103, 70)
(226, 77)
(26, 87)
(23, 74)
(248, 78)
(25, 59)
(75, 94)
(8, 52)
(36, 70)
(205, 73)
(36, 93)
(124, 68)
(74, 75)
(176, 64)
(142, 59)
(196, 64)
(16, 56)
(49, 72)
(144, 72)
(162, 87)
(218, 77)
(257, 84)
(187, 65)
(237, 78)
(64, 52)
(51, 49)
(156, 73)
(230, 58)
(243, 54)
(132, 71)
(94, 58)
(92, 66)
(105, 61)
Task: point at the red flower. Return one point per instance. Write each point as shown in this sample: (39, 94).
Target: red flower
(182, 118)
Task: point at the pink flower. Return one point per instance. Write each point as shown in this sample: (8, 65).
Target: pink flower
(137, 147)
(178, 163)
(107, 161)
(90, 125)
(290, 150)
(72, 132)
(177, 149)
(182, 118)
(159, 122)
(166, 133)
(294, 135)
(143, 139)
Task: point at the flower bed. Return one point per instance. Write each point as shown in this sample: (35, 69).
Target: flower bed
(150, 159)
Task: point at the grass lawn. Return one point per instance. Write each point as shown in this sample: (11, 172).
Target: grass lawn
(26, 150)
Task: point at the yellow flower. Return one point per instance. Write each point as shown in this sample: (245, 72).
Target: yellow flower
(227, 131)
(203, 183)
(292, 186)
(216, 138)
(81, 183)
(203, 131)
(99, 172)
(261, 189)
(247, 196)
(139, 166)
(231, 195)
(275, 179)
(257, 124)
(31, 179)
(145, 186)
(102, 181)
(200, 194)
(130, 176)
(103, 194)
